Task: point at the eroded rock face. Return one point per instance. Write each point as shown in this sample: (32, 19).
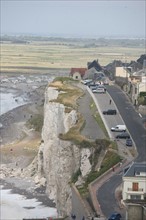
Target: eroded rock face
(85, 167)
(58, 159)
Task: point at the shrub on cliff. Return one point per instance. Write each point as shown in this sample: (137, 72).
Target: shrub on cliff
(36, 122)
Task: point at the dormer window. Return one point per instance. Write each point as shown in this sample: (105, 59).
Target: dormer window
(137, 173)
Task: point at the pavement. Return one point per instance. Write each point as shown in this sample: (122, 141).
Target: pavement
(92, 130)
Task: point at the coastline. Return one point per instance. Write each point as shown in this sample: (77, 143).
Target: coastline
(18, 151)
(28, 190)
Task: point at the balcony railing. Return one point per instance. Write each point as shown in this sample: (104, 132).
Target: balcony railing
(135, 190)
(136, 201)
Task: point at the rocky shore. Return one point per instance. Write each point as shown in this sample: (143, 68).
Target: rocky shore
(19, 145)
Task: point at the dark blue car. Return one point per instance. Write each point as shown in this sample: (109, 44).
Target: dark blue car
(129, 142)
(115, 216)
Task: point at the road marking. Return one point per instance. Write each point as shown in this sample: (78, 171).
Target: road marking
(140, 115)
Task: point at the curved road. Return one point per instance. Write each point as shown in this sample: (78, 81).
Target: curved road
(106, 194)
(132, 120)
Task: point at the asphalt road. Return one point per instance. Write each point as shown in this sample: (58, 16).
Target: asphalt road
(131, 119)
(126, 115)
(106, 196)
(133, 122)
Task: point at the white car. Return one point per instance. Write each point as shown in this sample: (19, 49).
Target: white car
(119, 128)
(98, 90)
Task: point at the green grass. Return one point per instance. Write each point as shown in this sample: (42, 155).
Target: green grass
(113, 145)
(36, 122)
(108, 162)
(97, 117)
(75, 176)
(14, 57)
(100, 123)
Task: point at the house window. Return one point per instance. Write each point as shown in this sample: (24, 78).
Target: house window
(135, 197)
(135, 186)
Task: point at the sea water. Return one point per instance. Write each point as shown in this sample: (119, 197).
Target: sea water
(9, 101)
(17, 207)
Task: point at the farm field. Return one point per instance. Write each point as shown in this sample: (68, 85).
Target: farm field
(41, 56)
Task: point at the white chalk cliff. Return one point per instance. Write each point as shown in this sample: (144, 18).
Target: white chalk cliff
(58, 160)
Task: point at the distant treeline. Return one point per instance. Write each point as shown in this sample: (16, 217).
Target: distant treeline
(80, 42)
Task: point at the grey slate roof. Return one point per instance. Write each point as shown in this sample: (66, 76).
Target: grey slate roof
(140, 73)
(134, 169)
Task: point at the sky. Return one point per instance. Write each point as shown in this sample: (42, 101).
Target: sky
(76, 18)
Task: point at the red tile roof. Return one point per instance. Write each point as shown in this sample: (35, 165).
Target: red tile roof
(79, 70)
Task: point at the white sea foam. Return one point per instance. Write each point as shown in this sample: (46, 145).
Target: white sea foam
(14, 206)
(8, 101)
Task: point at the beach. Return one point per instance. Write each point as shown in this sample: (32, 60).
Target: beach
(21, 191)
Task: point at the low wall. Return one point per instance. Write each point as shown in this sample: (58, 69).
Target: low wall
(136, 212)
(96, 184)
(79, 208)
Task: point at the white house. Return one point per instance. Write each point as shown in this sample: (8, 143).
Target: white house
(122, 72)
(134, 183)
(137, 84)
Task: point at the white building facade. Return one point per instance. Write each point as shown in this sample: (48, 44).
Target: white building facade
(134, 183)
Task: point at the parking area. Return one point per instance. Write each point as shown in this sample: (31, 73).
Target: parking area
(105, 102)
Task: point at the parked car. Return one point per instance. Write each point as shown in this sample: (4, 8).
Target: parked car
(98, 90)
(123, 135)
(91, 83)
(119, 128)
(110, 112)
(101, 86)
(86, 81)
(106, 82)
(129, 142)
(115, 216)
(93, 86)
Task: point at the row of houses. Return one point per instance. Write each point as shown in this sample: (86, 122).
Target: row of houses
(94, 71)
(133, 82)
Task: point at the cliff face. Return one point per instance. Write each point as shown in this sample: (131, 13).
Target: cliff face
(58, 159)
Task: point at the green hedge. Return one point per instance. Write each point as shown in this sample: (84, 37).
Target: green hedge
(142, 94)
